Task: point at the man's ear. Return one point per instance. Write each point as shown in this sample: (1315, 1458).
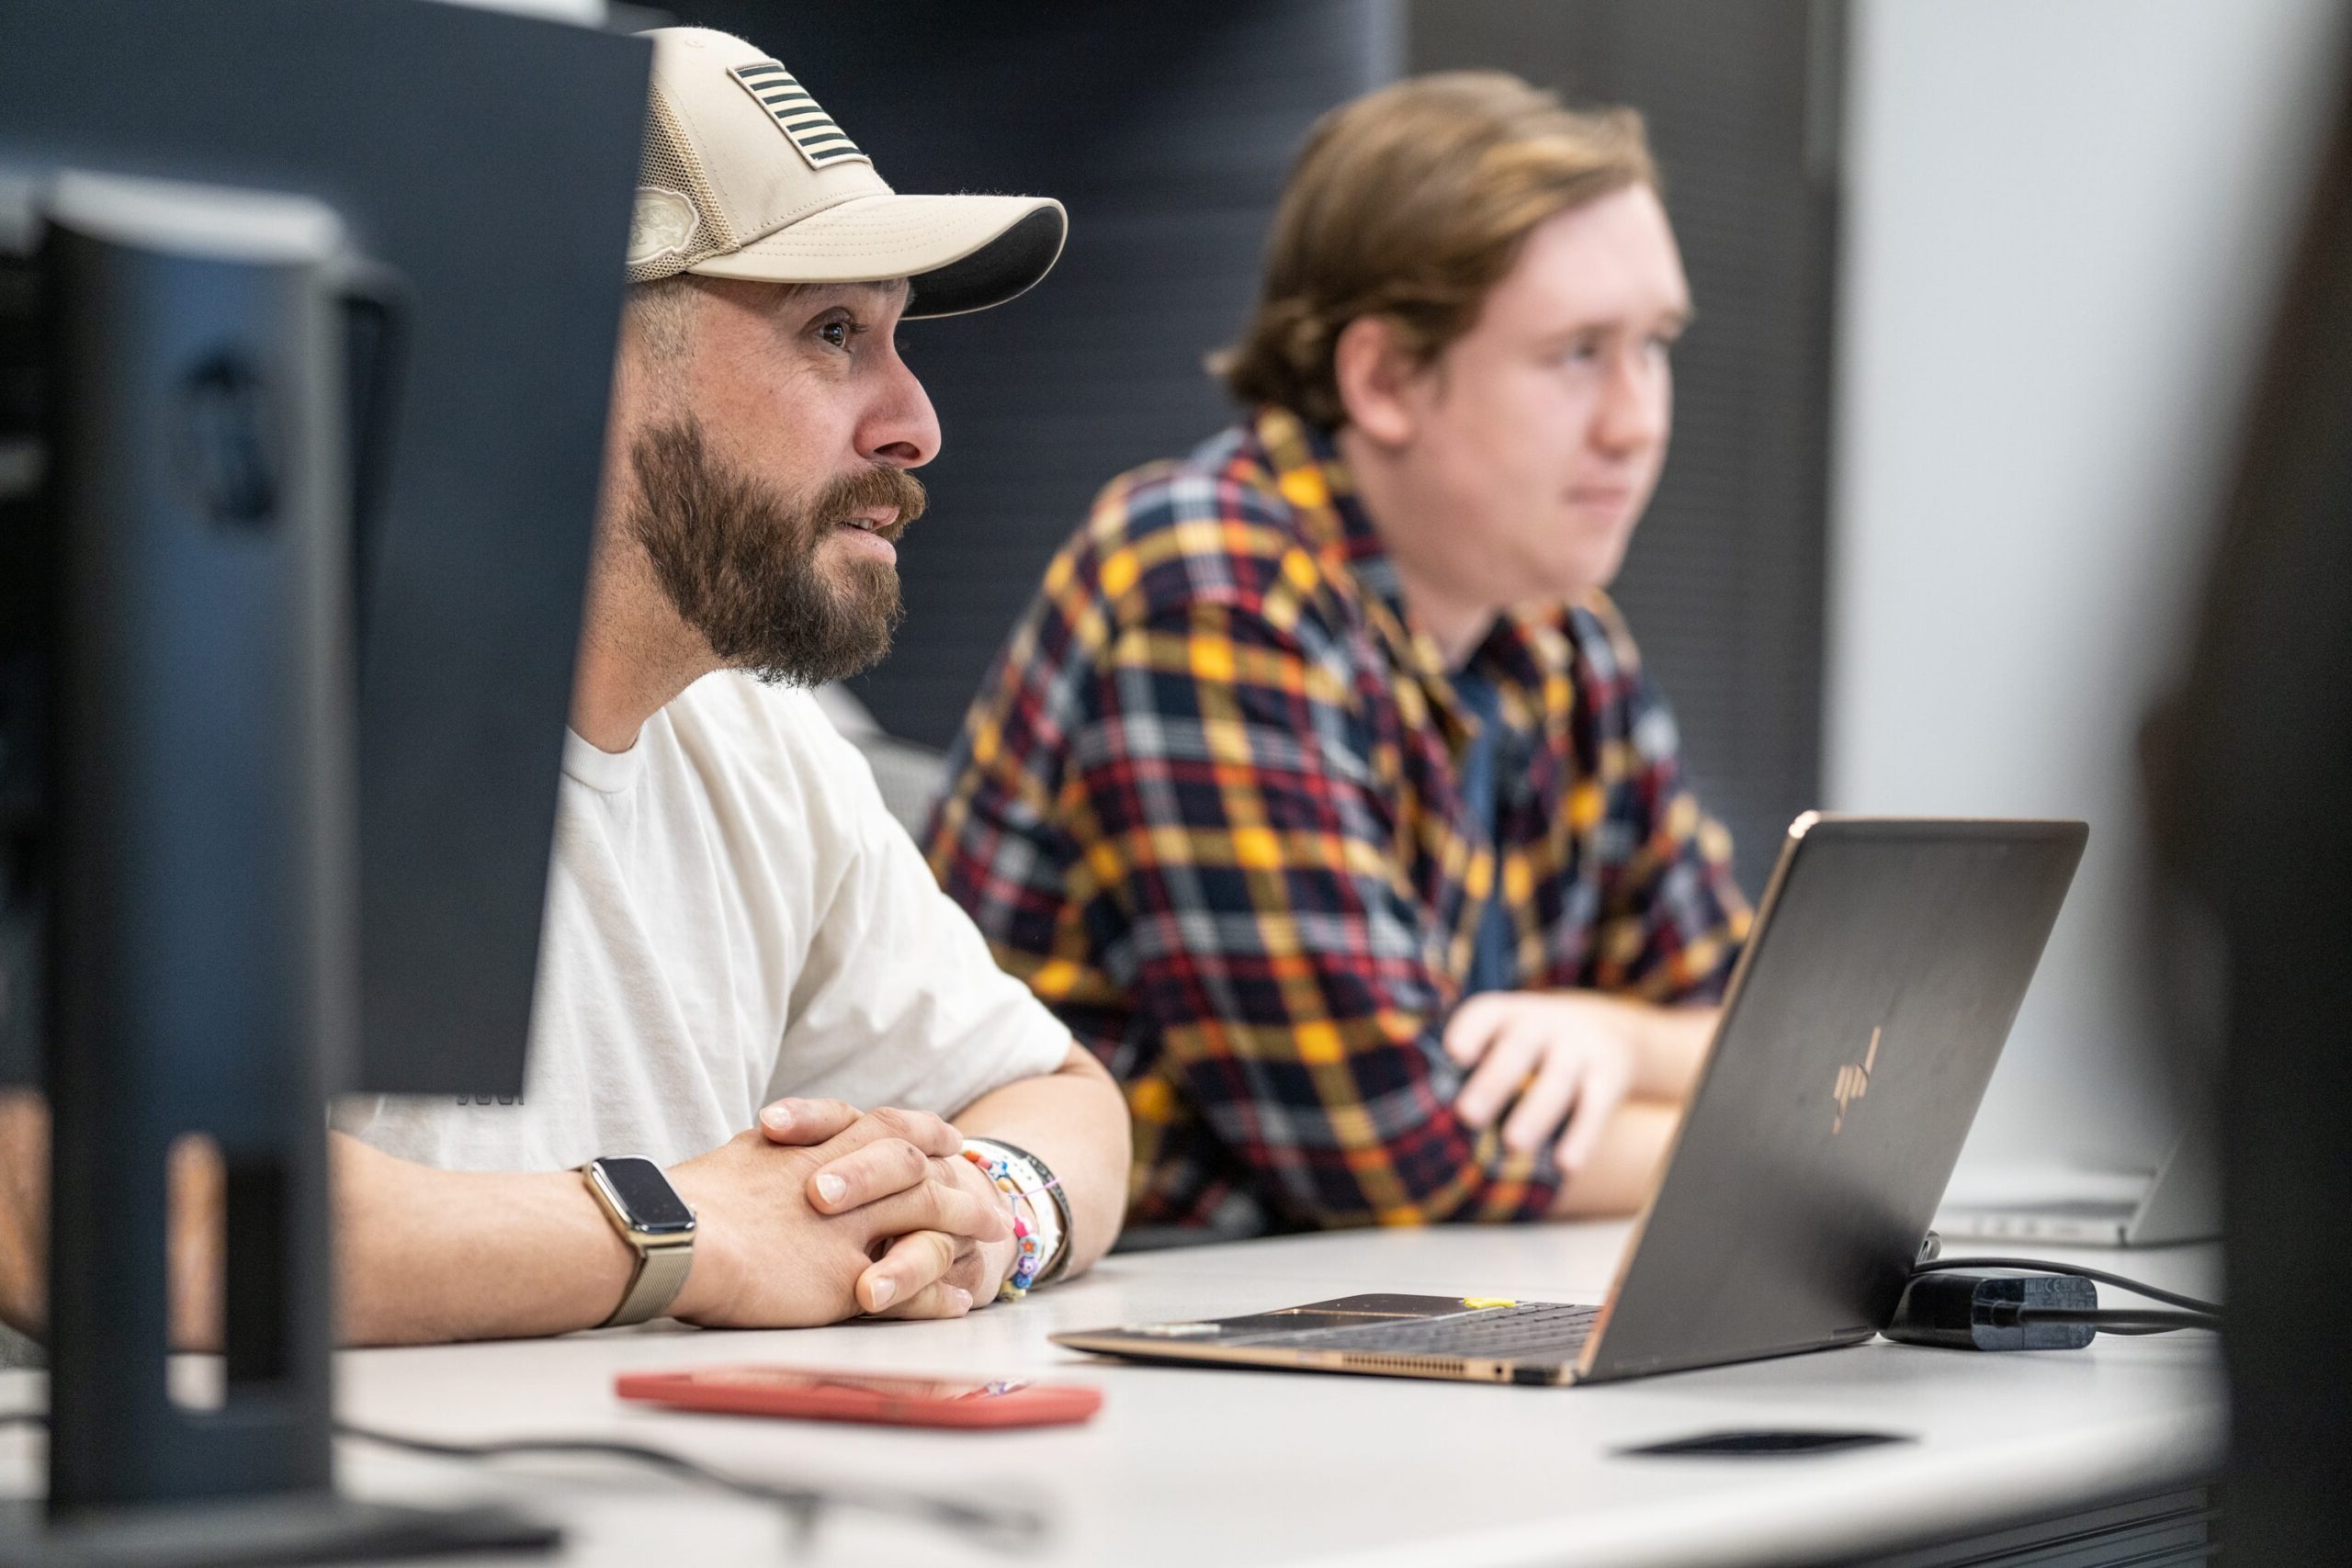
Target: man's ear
(1376, 377)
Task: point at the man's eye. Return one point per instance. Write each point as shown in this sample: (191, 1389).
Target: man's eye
(835, 333)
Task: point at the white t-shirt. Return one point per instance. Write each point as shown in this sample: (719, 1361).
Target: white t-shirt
(731, 915)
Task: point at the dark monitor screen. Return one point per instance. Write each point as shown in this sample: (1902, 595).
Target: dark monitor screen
(489, 160)
(2256, 806)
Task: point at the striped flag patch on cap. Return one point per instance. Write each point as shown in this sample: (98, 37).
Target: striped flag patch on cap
(806, 125)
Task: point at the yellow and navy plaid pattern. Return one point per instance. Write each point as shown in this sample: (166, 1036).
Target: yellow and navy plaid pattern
(1208, 805)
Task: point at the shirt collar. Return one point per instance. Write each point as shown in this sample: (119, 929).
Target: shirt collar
(1527, 649)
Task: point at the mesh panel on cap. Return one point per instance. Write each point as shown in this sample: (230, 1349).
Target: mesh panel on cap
(670, 163)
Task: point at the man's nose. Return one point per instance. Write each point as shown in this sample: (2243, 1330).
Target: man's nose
(901, 427)
(1636, 407)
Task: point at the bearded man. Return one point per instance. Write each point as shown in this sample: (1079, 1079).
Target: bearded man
(747, 974)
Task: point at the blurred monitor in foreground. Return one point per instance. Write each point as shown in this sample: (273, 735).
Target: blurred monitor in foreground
(2254, 814)
(305, 349)
(477, 458)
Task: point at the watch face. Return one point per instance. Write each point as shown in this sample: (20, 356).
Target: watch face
(644, 1196)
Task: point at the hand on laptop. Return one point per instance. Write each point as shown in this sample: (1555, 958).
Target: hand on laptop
(778, 1244)
(924, 1273)
(1562, 1062)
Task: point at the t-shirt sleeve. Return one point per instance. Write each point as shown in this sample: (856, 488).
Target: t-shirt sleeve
(899, 1001)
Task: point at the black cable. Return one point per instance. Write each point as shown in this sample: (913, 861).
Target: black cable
(1008, 1529)
(2042, 1265)
(2111, 1320)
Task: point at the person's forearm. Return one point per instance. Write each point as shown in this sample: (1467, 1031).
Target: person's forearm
(423, 1255)
(24, 1210)
(1670, 1048)
(1076, 1121)
(428, 1256)
(1625, 1165)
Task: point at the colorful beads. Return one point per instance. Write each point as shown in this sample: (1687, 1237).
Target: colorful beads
(1031, 1248)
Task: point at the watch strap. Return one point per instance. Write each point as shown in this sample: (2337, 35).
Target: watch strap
(659, 1275)
(662, 1263)
(1058, 1264)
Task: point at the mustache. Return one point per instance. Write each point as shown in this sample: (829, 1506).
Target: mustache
(877, 486)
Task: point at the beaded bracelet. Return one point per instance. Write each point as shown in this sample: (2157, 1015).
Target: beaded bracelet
(1034, 1250)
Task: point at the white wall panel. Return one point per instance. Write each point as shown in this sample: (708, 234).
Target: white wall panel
(2064, 224)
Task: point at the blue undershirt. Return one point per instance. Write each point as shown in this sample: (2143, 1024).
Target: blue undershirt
(1494, 961)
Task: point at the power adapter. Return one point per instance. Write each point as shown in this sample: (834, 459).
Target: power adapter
(1994, 1310)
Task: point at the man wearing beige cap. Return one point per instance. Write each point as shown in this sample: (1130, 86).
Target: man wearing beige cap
(755, 1009)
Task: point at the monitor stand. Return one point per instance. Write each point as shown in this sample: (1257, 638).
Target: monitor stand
(294, 1528)
(203, 946)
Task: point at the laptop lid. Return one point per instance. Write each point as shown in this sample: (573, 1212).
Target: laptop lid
(2184, 1202)
(1887, 961)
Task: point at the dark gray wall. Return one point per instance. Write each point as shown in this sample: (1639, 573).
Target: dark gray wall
(1166, 131)
(1724, 585)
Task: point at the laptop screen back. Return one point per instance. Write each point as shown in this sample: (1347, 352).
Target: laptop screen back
(1889, 960)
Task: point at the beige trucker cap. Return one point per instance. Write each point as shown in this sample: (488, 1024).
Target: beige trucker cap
(745, 176)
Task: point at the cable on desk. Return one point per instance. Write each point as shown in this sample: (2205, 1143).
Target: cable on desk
(1007, 1530)
(2043, 1266)
(2111, 1320)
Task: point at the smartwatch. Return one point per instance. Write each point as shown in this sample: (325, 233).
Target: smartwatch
(636, 1195)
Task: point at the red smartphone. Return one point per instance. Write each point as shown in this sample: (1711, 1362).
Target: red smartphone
(863, 1396)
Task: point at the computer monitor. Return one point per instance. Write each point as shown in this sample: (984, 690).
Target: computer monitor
(309, 345)
(487, 160)
(2257, 827)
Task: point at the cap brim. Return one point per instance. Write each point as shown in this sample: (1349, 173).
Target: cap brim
(958, 253)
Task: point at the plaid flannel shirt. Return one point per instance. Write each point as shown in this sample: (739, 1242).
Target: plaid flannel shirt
(1207, 804)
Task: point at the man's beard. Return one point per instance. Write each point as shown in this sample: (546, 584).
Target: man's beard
(738, 558)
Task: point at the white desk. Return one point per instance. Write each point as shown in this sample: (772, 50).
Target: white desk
(1186, 1467)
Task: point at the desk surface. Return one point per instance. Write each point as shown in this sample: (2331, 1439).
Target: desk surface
(1186, 1466)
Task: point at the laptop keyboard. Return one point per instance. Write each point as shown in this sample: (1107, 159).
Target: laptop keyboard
(1537, 1329)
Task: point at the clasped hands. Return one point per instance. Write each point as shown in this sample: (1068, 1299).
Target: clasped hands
(823, 1213)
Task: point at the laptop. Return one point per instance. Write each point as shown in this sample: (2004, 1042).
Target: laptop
(1888, 960)
(2182, 1202)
